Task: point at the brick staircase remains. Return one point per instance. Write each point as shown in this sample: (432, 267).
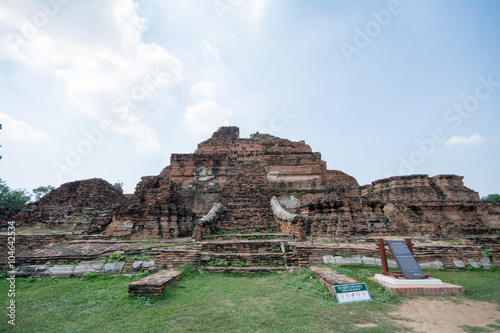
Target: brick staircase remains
(247, 256)
(246, 199)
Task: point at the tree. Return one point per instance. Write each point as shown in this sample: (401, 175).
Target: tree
(40, 191)
(12, 199)
(119, 186)
(491, 197)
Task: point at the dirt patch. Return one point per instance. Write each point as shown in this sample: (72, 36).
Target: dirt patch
(431, 315)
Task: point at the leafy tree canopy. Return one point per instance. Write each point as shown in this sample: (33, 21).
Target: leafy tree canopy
(12, 199)
(40, 191)
(491, 197)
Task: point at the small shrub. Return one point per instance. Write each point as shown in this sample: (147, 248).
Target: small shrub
(241, 264)
(90, 275)
(221, 263)
(117, 256)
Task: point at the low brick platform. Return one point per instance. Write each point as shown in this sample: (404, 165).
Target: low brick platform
(244, 270)
(421, 289)
(153, 285)
(330, 277)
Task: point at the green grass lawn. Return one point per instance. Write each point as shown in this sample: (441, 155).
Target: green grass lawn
(211, 303)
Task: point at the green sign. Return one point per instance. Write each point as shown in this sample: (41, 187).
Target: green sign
(356, 292)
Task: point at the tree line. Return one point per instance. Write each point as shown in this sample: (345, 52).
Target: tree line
(16, 198)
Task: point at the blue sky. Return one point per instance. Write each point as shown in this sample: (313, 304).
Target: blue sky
(110, 89)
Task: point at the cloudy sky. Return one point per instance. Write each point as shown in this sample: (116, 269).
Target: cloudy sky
(110, 89)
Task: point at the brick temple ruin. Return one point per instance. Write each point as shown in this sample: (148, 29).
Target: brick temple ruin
(266, 184)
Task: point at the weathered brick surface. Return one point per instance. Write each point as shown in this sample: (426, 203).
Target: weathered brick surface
(157, 210)
(349, 217)
(330, 277)
(419, 188)
(250, 259)
(257, 236)
(312, 254)
(249, 246)
(175, 257)
(84, 205)
(153, 285)
(243, 173)
(30, 242)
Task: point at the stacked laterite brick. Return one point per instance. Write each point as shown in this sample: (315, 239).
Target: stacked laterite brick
(419, 188)
(153, 285)
(175, 257)
(245, 256)
(312, 254)
(330, 278)
(242, 173)
(242, 246)
(157, 210)
(246, 200)
(84, 205)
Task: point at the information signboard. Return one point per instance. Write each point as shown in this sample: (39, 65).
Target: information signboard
(355, 292)
(405, 259)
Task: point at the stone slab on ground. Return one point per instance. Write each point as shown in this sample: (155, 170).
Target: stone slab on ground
(63, 271)
(114, 267)
(330, 277)
(458, 264)
(88, 267)
(27, 271)
(474, 263)
(436, 264)
(68, 253)
(486, 262)
(356, 260)
(412, 288)
(153, 285)
(145, 265)
(67, 271)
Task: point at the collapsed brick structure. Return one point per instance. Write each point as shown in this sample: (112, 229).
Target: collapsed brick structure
(81, 205)
(243, 174)
(419, 205)
(239, 173)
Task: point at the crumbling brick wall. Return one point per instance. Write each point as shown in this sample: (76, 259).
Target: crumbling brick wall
(419, 188)
(83, 205)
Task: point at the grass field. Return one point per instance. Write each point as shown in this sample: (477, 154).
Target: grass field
(215, 303)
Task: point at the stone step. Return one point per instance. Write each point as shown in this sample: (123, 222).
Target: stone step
(242, 246)
(245, 270)
(235, 259)
(256, 236)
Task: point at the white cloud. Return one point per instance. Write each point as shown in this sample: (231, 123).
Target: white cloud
(258, 7)
(210, 50)
(100, 65)
(206, 116)
(19, 131)
(475, 139)
(203, 89)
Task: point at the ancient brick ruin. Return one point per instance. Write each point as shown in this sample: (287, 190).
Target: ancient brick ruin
(243, 174)
(264, 184)
(81, 205)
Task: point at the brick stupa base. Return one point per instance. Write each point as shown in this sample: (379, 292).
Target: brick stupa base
(425, 287)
